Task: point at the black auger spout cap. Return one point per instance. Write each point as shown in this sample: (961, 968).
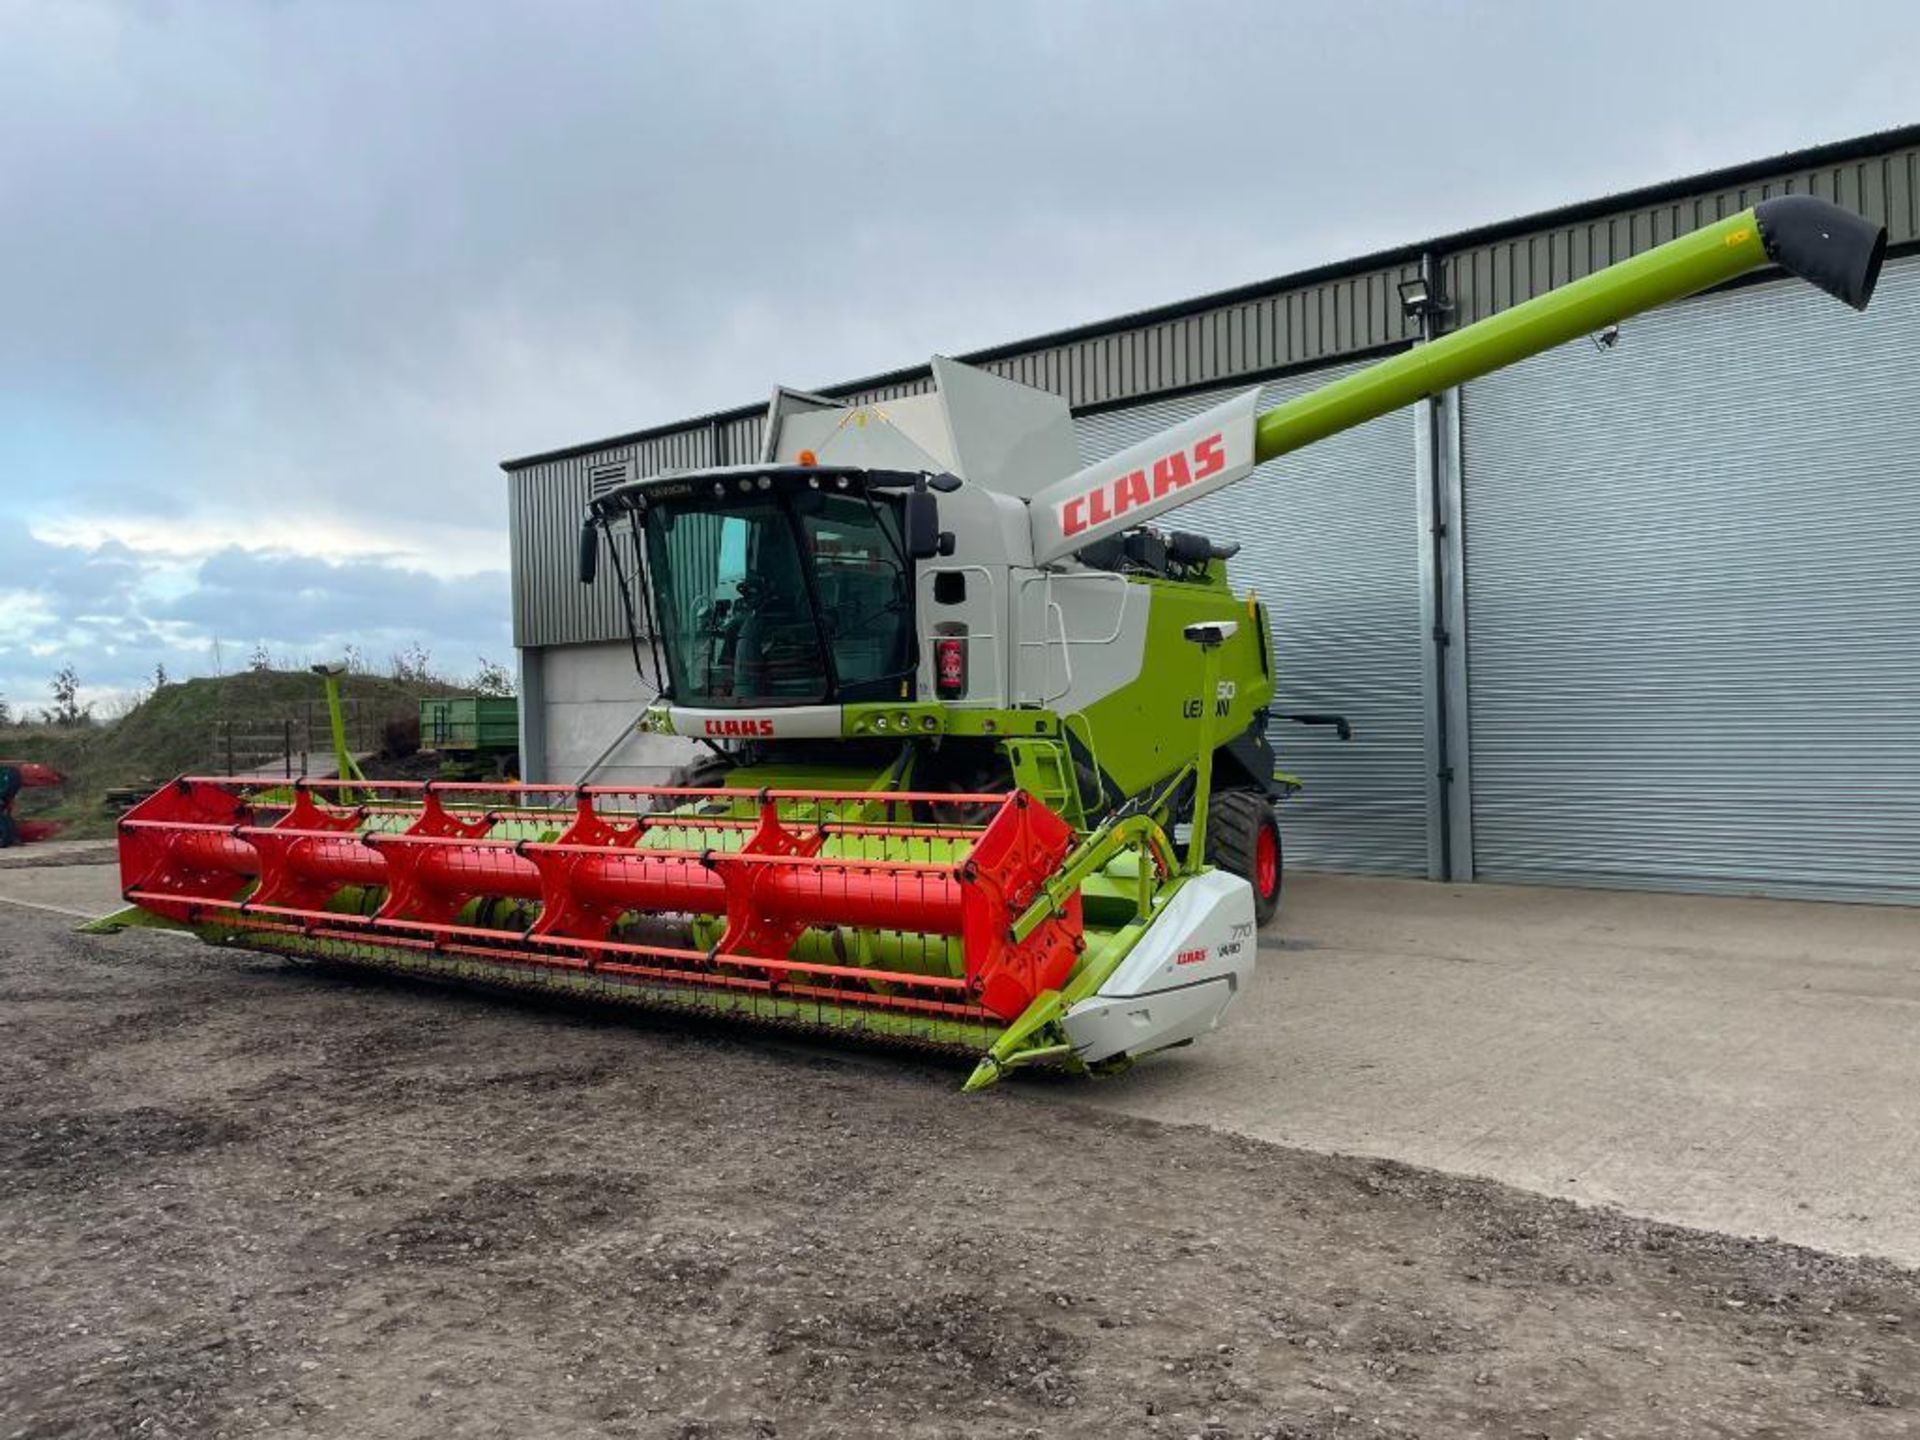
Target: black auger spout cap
(1824, 245)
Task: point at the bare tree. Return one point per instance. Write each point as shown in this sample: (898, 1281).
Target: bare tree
(492, 678)
(413, 663)
(67, 709)
(160, 676)
(260, 661)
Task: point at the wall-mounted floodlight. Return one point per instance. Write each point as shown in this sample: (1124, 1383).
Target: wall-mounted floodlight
(1417, 299)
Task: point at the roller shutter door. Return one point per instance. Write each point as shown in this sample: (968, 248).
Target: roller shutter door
(1329, 538)
(590, 701)
(1693, 582)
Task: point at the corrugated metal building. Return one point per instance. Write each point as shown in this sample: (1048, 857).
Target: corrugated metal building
(1643, 616)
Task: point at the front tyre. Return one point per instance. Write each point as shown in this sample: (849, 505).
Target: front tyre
(1243, 838)
(703, 772)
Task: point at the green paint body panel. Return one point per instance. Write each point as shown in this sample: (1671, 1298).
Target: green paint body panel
(1138, 737)
(1147, 732)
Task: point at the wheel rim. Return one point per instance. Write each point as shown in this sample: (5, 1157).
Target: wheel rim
(1266, 861)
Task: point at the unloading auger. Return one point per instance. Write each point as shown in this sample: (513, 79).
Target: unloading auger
(960, 701)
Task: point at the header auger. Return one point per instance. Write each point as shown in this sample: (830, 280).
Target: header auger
(959, 700)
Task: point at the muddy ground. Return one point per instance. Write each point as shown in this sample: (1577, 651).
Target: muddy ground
(241, 1198)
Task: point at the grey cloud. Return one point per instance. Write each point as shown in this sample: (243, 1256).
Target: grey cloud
(297, 600)
(105, 621)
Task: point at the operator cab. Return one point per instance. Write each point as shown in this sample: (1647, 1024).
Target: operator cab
(777, 585)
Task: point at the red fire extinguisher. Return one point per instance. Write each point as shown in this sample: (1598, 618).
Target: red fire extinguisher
(950, 660)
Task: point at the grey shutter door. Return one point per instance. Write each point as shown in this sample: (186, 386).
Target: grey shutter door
(1693, 584)
(1329, 538)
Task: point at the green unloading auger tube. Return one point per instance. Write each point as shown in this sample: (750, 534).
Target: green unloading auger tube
(1821, 243)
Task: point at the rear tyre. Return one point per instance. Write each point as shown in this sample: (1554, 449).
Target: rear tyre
(1243, 838)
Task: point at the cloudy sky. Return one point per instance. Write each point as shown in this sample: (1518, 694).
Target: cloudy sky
(285, 281)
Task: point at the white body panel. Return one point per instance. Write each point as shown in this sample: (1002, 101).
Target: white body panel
(1037, 627)
(1164, 471)
(1004, 435)
(767, 722)
(990, 538)
(1083, 636)
(991, 432)
(907, 434)
(589, 701)
(1178, 981)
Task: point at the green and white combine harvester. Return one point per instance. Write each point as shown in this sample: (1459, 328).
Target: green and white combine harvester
(960, 698)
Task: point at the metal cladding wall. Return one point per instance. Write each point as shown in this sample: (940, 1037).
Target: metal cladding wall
(1330, 539)
(1693, 588)
(544, 507)
(1316, 317)
(1683, 656)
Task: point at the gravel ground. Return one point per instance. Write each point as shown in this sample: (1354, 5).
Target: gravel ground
(238, 1197)
(42, 854)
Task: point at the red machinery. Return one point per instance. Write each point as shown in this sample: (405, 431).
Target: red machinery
(805, 903)
(15, 776)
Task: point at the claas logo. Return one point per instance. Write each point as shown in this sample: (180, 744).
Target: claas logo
(739, 727)
(1191, 957)
(1135, 488)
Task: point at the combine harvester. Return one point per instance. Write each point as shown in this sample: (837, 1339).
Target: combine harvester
(961, 702)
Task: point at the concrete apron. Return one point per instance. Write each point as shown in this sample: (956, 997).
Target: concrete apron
(1748, 1066)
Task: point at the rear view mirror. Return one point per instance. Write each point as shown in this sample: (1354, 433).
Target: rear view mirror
(922, 525)
(589, 551)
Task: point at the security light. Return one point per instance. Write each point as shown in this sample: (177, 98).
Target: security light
(1417, 299)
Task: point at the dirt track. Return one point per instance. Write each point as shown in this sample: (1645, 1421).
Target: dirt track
(236, 1198)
